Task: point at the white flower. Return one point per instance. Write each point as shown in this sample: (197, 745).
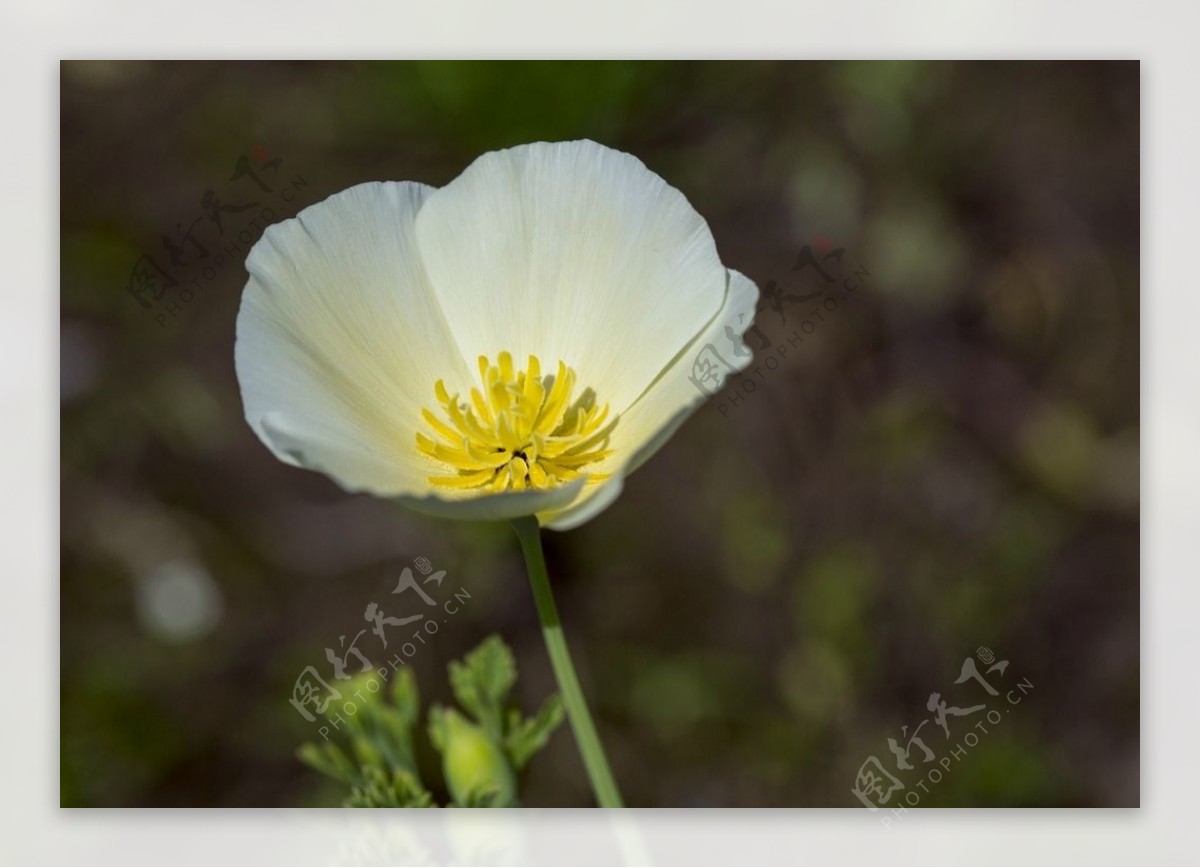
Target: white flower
(515, 342)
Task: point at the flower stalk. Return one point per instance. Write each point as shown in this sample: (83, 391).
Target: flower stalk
(603, 784)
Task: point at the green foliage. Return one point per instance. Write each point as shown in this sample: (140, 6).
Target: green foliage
(482, 751)
(524, 738)
(400, 790)
(483, 680)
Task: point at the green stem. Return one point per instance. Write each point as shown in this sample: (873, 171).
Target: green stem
(603, 784)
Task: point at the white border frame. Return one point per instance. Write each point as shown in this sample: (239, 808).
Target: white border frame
(37, 33)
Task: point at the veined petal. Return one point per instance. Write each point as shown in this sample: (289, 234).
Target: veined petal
(672, 398)
(319, 450)
(328, 445)
(364, 308)
(340, 337)
(571, 251)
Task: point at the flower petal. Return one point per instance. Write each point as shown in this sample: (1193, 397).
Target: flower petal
(340, 338)
(571, 251)
(672, 398)
(359, 467)
(495, 507)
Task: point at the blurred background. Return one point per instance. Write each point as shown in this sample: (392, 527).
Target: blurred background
(944, 467)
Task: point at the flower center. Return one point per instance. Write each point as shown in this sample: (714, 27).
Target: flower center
(519, 430)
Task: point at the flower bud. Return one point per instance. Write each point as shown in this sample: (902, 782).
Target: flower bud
(472, 762)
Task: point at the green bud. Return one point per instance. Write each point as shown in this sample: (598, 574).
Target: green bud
(474, 765)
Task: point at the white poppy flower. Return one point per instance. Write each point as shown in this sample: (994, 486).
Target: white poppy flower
(513, 343)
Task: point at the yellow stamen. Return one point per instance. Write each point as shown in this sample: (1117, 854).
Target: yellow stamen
(518, 430)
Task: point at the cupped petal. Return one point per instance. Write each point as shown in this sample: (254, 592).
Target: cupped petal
(340, 339)
(357, 466)
(576, 252)
(495, 507)
(695, 374)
